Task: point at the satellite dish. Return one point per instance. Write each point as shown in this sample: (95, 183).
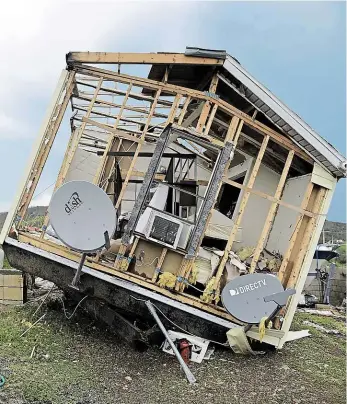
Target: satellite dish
(251, 297)
(82, 216)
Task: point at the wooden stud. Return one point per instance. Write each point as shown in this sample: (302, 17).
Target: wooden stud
(309, 231)
(300, 247)
(133, 161)
(187, 264)
(210, 119)
(242, 207)
(102, 164)
(101, 168)
(268, 197)
(184, 110)
(105, 181)
(115, 91)
(159, 265)
(271, 214)
(46, 145)
(62, 172)
(71, 150)
(133, 247)
(224, 105)
(207, 106)
(232, 129)
(286, 257)
(108, 128)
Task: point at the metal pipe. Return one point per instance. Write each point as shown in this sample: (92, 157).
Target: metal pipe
(190, 377)
(77, 276)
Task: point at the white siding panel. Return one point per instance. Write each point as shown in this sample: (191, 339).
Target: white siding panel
(257, 208)
(83, 167)
(285, 219)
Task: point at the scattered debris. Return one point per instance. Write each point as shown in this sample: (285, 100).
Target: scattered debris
(321, 328)
(327, 313)
(32, 325)
(199, 347)
(307, 300)
(32, 352)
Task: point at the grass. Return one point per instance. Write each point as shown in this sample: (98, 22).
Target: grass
(57, 361)
(323, 356)
(6, 264)
(78, 362)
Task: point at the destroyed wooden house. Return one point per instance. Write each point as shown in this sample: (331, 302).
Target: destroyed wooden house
(211, 176)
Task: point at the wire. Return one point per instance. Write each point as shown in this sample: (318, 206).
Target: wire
(176, 325)
(53, 183)
(47, 294)
(70, 317)
(145, 265)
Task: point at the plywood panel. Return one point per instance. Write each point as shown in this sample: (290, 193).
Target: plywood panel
(285, 219)
(83, 167)
(152, 252)
(257, 208)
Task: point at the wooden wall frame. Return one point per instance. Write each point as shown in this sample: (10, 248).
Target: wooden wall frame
(311, 212)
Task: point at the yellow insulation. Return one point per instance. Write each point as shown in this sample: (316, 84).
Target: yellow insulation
(167, 280)
(208, 296)
(262, 327)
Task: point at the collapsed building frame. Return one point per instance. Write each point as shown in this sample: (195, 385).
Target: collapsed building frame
(198, 105)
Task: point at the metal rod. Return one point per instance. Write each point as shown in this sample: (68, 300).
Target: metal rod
(148, 154)
(190, 377)
(77, 276)
(179, 188)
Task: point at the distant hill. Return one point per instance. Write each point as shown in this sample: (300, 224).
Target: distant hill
(34, 218)
(335, 230)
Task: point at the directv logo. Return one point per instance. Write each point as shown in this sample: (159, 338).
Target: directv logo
(73, 203)
(247, 288)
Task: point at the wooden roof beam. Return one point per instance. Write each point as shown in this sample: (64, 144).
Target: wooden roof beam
(140, 58)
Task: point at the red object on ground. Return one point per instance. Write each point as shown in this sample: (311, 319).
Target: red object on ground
(184, 349)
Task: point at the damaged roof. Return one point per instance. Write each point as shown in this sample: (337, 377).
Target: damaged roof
(262, 99)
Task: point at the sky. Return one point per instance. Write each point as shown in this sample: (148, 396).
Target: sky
(296, 49)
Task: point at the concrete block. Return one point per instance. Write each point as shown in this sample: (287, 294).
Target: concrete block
(11, 286)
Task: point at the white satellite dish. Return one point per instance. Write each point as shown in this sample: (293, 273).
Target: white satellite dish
(82, 216)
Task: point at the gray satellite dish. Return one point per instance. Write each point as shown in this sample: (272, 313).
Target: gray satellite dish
(83, 217)
(251, 297)
(80, 214)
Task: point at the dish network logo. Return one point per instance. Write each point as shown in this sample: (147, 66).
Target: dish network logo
(73, 203)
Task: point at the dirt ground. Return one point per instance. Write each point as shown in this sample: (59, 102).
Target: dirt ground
(77, 361)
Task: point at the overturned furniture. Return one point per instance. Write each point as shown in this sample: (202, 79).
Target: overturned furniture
(212, 177)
